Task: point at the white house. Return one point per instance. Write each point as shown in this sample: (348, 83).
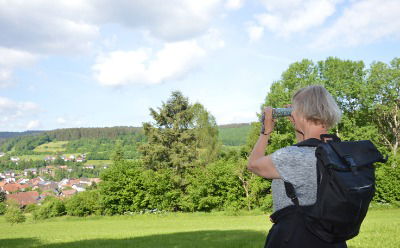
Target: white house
(15, 159)
(33, 170)
(78, 187)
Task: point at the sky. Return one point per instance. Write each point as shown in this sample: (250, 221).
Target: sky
(103, 63)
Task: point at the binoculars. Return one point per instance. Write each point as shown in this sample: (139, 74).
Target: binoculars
(278, 112)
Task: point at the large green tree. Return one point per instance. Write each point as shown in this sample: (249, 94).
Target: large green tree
(182, 136)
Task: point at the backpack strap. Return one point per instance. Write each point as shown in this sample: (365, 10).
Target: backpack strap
(313, 142)
(291, 193)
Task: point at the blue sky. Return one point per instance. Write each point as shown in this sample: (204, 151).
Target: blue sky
(97, 63)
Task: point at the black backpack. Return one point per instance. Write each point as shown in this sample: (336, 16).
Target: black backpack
(346, 186)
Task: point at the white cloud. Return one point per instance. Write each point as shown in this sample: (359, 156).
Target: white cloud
(47, 27)
(255, 32)
(72, 27)
(13, 114)
(171, 21)
(362, 22)
(291, 16)
(234, 4)
(146, 66)
(34, 124)
(61, 120)
(10, 59)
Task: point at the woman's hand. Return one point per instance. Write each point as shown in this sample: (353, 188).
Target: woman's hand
(268, 125)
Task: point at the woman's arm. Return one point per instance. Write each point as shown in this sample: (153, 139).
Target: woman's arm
(259, 163)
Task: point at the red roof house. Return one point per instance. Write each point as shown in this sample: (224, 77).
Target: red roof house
(25, 198)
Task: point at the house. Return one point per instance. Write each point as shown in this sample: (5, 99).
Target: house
(15, 159)
(25, 198)
(44, 170)
(9, 174)
(94, 180)
(32, 170)
(79, 187)
(10, 179)
(48, 185)
(63, 182)
(22, 181)
(68, 192)
(14, 187)
(73, 181)
(80, 159)
(49, 158)
(35, 181)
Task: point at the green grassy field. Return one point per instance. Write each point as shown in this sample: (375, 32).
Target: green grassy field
(52, 147)
(380, 229)
(99, 162)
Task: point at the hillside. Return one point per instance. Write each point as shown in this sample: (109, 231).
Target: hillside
(6, 135)
(97, 143)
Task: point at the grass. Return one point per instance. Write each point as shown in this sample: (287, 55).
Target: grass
(32, 157)
(52, 147)
(99, 162)
(380, 229)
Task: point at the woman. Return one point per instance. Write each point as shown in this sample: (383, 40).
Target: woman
(314, 112)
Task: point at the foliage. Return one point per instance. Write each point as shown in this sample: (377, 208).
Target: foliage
(179, 133)
(30, 208)
(214, 187)
(122, 188)
(51, 207)
(84, 203)
(388, 184)
(13, 213)
(2, 196)
(3, 208)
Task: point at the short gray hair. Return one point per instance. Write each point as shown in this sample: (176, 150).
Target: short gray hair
(316, 104)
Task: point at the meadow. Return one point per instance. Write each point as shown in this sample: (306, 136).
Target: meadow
(52, 147)
(380, 229)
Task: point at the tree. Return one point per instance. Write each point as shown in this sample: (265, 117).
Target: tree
(206, 131)
(2, 196)
(382, 101)
(14, 213)
(179, 133)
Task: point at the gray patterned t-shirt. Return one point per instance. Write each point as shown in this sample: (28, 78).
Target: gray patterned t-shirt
(296, 165)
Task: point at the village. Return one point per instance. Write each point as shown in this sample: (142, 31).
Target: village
(32, 186)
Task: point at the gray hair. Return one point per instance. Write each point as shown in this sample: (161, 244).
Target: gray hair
(316, 104)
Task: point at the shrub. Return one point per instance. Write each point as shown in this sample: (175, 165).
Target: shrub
(215, 187)
(51, 207)
(84, 204)
(14, 213)
(2, 196)
(2, 208)
(30, 208)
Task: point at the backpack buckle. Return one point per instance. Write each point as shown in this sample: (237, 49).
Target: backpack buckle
(350, 161)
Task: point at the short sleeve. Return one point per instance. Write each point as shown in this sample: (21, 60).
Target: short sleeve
(286, 161)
